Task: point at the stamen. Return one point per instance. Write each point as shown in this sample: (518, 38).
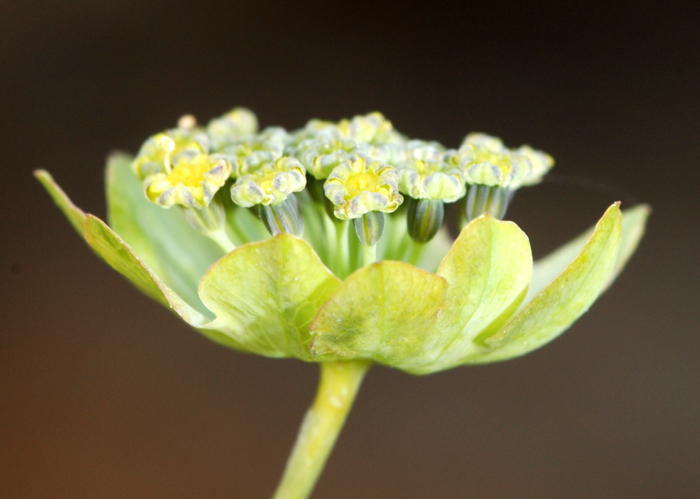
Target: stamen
(168, 146)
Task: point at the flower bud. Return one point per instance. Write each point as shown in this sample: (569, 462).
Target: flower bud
(493, 173)
(493, 168)
(391, 153)
(541, 163)
(372, 129)
(424, 150)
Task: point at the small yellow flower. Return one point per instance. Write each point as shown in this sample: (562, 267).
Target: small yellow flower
(484, 160)
(541, 163)
(361, 185)
(249, 153)
(436, 180)
(321, 154)
(192, 182)
(232, 126)
(160, 151)
(372, 128)
(270, 184)
(493, 172)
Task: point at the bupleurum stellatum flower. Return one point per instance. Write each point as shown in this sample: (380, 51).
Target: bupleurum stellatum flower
(493, 172)
(259, 257)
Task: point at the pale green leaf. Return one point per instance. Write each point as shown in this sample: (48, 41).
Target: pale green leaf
(435, 250)
(634, 223)
(122, 259)
(75, 215)
(385, 312)
(547, 268)
(161, 238)
(565, 299)
(243, 225)
(398, 315)
(265, 294)
(395, 243)
(111, 248)
(487, 271)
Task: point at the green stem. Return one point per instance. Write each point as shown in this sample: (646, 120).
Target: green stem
(221, 238)
(414, 252)
(369, 254)
(340, 382)
(343, 251)
(330, 230)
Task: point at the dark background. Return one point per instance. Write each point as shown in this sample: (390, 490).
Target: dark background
(104, 394)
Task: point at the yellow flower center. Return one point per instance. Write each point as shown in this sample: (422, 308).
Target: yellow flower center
(190, 173)
(425, 168)
(366, 181)
(265, 182)
(500, 160)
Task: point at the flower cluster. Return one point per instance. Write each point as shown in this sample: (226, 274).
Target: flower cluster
(360, 169)
(258, 253)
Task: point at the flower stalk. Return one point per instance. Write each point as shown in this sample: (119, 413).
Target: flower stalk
(369, 254)
(339, 384)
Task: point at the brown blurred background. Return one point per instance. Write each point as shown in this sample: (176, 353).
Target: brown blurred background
(104, 394)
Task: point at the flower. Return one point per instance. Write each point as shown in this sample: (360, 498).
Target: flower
(486, 161)
(231, 127)
(493, 172)
(436, 180)
(311, 296)
(360, 185)
(269, 184)
(158, 152)
(192, 182)
(248, 152)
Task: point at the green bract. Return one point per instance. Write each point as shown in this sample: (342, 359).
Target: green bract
(317, 297)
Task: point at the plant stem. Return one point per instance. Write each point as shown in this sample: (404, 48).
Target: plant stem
(344, 265)
(330, 230)
(369, 254)
(337, 389)
(221, 238)
(414, 252)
